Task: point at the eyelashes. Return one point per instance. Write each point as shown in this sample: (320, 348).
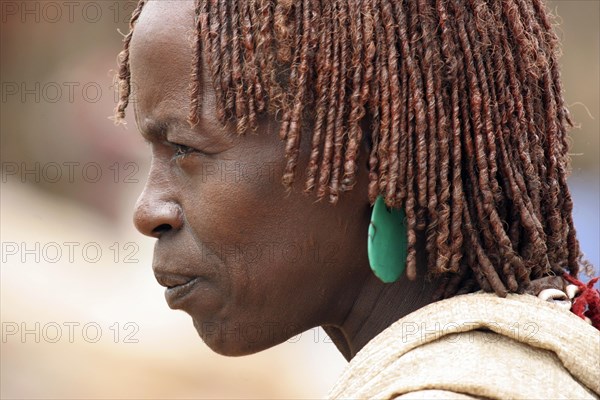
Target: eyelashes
(186, 156)
(182, 151)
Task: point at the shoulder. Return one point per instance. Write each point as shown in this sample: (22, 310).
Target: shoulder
(481, 345)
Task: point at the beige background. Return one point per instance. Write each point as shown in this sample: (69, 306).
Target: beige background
(162, 356)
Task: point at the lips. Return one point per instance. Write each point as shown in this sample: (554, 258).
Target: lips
(179, 288)
(169, 280)
(177, 296)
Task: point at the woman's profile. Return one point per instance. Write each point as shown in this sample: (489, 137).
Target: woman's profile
(424, 220)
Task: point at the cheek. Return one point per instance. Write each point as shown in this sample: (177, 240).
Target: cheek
(235, 196)
(231, 208)
(229, 199)
(261, 236)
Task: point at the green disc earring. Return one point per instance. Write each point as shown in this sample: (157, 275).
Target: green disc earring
(387, 242)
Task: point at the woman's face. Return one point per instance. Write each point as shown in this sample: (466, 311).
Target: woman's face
(251, 264)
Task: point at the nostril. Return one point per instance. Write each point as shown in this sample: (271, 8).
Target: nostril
(154, 216)
(159, 230)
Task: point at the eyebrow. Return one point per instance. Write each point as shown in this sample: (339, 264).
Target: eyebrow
(157, 130)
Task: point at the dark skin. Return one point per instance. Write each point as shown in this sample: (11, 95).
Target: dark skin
(263, 264)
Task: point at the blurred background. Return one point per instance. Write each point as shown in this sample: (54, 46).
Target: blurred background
(82, 316)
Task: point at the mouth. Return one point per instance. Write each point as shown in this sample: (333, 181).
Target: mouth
(178, 288)
(176, 296)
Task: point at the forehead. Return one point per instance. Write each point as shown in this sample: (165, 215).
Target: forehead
(161, 60)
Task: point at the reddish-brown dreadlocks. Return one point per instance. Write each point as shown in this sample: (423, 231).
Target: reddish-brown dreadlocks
(468, 128)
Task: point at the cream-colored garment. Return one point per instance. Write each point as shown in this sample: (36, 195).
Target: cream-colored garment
(479, 345)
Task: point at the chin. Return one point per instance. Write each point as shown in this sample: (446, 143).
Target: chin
(227, 339)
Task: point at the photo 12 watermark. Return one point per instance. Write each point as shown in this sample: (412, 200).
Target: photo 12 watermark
(70, 172)
(465, 330)
(69, 252)
(265, 331)
(55, 12)
(260, 252)
(69, 332)
(60, 92)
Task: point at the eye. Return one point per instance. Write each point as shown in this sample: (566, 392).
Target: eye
(181, 151)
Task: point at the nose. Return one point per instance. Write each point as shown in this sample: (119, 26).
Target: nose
(155, 216)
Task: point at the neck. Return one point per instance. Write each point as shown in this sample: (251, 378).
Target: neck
(377, 306)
